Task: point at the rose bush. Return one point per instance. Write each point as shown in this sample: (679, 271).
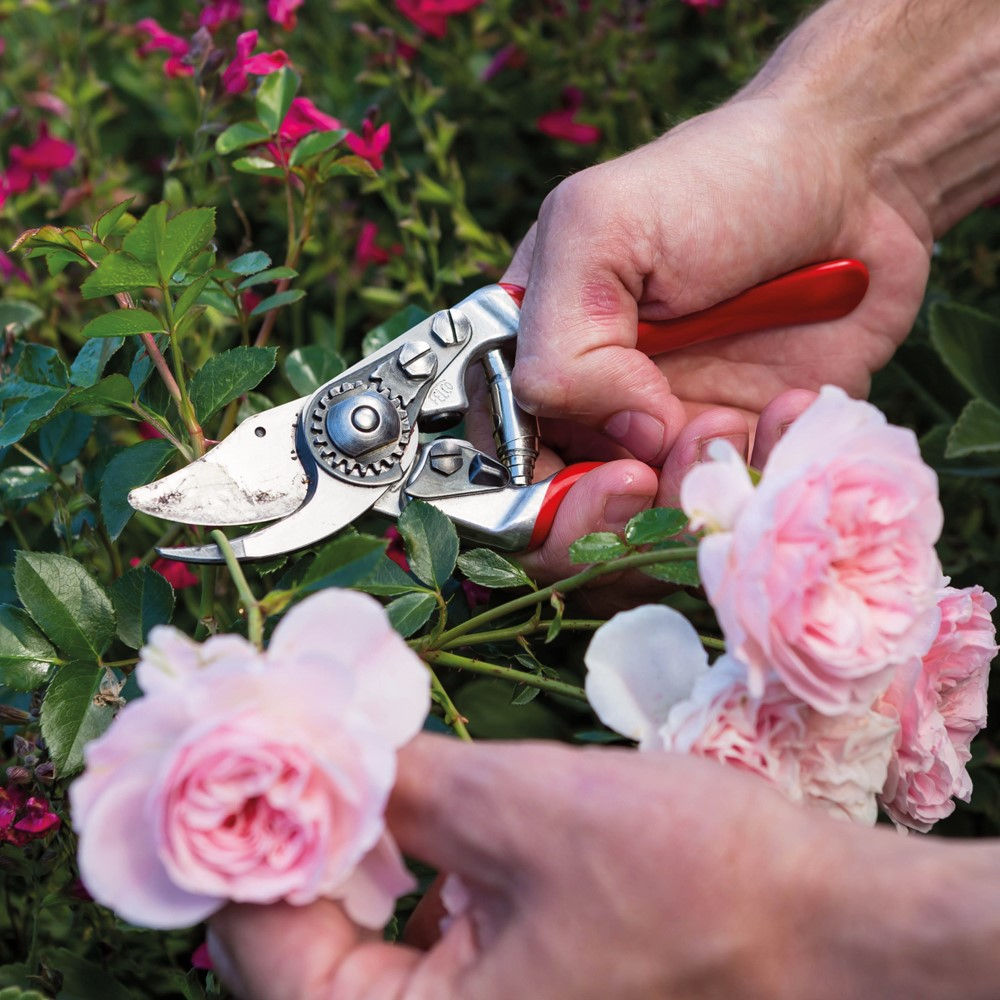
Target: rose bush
(255, 777)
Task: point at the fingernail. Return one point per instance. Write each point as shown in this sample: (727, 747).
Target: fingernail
(739, 441)
(641, 433)
(223, 965)
(619, 509)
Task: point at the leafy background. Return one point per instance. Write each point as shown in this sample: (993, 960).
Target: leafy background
(464, 173)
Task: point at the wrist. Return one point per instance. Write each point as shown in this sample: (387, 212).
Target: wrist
(907, 89)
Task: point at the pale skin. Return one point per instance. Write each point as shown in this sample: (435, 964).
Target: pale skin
(605, 873)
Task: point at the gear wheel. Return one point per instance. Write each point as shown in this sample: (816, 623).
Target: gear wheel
(358, 431)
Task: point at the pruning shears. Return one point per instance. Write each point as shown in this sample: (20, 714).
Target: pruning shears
(360, 442)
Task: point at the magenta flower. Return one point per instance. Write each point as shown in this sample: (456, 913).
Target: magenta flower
(24, 818)
(304, 117)
(234, 76)
(175, 47)
(219, 12)
(9, 271)
(368, 252)
(201, 958)
(702, 4)
(431, 16)
(562, 124)
(35, 163)
(371, 144)
(283, 12)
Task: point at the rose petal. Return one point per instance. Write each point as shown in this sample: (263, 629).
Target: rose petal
(640, 664)
(370, 894)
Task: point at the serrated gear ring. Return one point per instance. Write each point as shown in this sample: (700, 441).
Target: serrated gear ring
(358, 431)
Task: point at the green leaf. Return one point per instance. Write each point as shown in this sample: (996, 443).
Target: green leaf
(250, 263)
(63, 437)
(274, 98)
(969, 344)
(683, 572)
(555, 626)
(91, 360)
(241, 135)
(524, 694)
(142, 598)
(344, 562)
(388, 579)
(307, 368)
(119, 272)
(392, 328)
(271, 274)
(84, 980)
(135, 466)
(20, 418)
(490, 569)
(260, 166)
(410, 612)
(112, 395)
(188, 233)
(124, 323)
(277, 301)
(67, 604)
(316, 143)
(433, 193)
(227, 376)
(26, 656)
(977, 430)
(73, 714)
(19, 315)
(431, 542)
(105, 224)
(145, 239)
(601, 546)
(655, 525)
(190, 296)
(24, 482)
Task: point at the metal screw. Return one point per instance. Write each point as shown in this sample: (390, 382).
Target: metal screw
(451, 327)
(446, 456)
(417, 359)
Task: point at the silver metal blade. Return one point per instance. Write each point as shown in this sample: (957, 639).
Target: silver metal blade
(332, 506)
(254, 475)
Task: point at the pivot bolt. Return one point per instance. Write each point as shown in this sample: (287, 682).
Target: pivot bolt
(451, 328)
(446, 456)
(417, 359)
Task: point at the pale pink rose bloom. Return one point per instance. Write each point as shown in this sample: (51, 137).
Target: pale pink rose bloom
(826, 571)
(648, 678)
(255, 777)
(940, 703)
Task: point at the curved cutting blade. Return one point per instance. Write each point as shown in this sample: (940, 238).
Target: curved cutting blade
(254, 475)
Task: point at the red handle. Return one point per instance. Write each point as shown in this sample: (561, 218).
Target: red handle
(557, 489)
(813, 294)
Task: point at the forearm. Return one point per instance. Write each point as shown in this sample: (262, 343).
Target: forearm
(912, 87)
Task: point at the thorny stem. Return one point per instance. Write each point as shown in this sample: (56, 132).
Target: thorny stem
(528, 628)
(452, 716)
(255, 620)
(537, 597)
(441, 658)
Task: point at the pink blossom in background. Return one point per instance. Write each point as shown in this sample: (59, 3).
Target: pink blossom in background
(24, 817)
(702, 4)
(396, 550)
(255, 777)
(36, 163)
(431, 16)
(216, 13)
(367, 251)
(234, 76)
(176, 573)
(283, 12)
(371, 144)
(9, 270)
(304, 117)
(161, 40)
(201, 959)
(509, 57)
(562, 124)
(940, 703)
(826, 572)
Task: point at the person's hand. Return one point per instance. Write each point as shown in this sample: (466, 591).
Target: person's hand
(609, 873)
(752, 190)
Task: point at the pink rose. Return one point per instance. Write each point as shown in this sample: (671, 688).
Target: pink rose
(940, 704)
(252, 776)
(826, 572)
(648, 678)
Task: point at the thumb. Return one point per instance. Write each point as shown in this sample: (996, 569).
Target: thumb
(605, 499)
